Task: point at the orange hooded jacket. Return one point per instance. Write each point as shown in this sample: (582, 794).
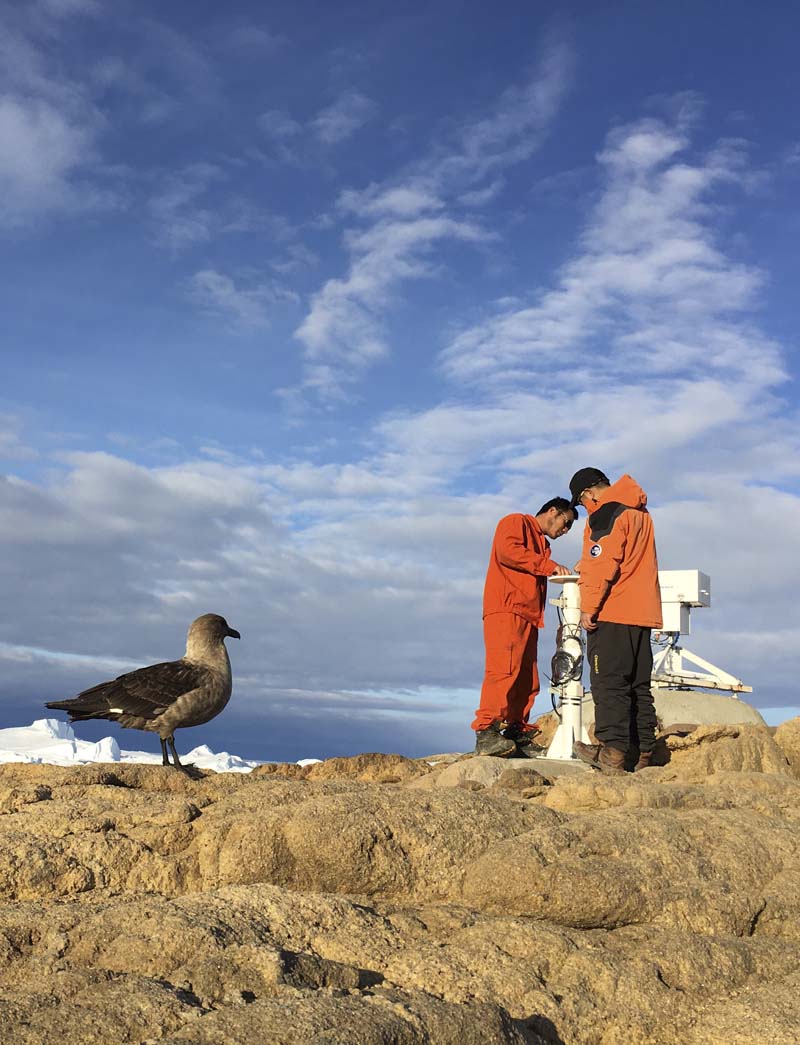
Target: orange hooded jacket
(519, 565)
(619, 566)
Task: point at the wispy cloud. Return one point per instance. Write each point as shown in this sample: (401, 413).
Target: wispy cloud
(254, 41)
(151, 104)
(299, 143)
(154, 74)
(177, 60)
(48, 128)
(278, 124)
(195, 204)
(514, 128)
(649, 290)
(399, 201)
(285, 135)
(408, 217)
(179, 215)
(67, 8)
(297, 256)
(343, 118)
(12, 448)
(248, 308)
(343, 333)
(41, 151)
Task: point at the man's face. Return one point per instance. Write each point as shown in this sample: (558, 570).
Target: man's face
(556, 523)
(588, 499)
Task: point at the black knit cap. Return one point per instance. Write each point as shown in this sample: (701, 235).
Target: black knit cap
(582, 480)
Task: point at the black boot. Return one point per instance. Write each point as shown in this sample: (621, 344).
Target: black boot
(526, 741)
(490, 741)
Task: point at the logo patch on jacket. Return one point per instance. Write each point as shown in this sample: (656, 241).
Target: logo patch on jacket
(595, 550)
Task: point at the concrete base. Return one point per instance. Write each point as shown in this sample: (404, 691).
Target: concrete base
(550, 767)
(680, 705)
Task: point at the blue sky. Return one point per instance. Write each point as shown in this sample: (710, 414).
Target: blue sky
(299, 299)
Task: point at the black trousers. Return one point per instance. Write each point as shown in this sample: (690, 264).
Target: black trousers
(620, 665)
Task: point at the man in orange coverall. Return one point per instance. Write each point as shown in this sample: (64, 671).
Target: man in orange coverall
(513, 611)
(620, 604)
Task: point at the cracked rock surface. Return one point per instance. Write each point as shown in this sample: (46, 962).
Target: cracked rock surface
(347, 903)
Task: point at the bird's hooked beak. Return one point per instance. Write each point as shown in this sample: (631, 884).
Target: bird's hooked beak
(233, 633)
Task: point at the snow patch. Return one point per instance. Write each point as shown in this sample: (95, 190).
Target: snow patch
(105, 750)
(53, 727)
(51, 741)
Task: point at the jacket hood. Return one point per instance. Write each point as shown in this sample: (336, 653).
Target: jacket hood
(626, 491)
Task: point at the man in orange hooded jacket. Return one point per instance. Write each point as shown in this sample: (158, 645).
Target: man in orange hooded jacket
(620, 604)
(513, 611)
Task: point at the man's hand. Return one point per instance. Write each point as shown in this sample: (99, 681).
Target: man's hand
(561, 571)
(588, 623)
(577, 567)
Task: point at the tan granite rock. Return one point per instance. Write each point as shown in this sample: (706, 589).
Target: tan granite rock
(139, 904)
(736, 747)
(482, 770)
(787, 737)
(368, 768)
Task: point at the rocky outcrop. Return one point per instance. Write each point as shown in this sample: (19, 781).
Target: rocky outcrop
(350, 903)
(709, 749)
(367, 768)
(787, 737)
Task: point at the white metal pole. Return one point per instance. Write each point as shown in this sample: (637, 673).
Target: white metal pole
(570, 693)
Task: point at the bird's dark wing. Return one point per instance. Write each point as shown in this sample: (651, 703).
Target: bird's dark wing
(145, 693)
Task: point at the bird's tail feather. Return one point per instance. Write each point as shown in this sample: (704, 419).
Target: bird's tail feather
(81, 709)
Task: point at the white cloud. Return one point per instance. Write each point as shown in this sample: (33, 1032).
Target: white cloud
(279, 124)
(480, 197)
(49, 127)
(297, 256)
(67, 8)
(649, 290)
(152, 105)
(342, 332)
(190, 207)
(181, 220)
(359, 583)
(343, 118)
(124, 549)
(252, 40)
(410, 216)
(41, 152)
(249, 308)
(175, 58)
(298, 144)
(515, 128)
(11, 445)
(400, 201)
(285, 135)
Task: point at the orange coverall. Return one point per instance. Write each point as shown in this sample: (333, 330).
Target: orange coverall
(513, 611)
(619, 566)
(619, 589)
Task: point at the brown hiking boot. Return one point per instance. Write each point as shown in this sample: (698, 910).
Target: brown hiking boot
(644, 760)
(586, 752)
(608, 759)
(490, 741)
